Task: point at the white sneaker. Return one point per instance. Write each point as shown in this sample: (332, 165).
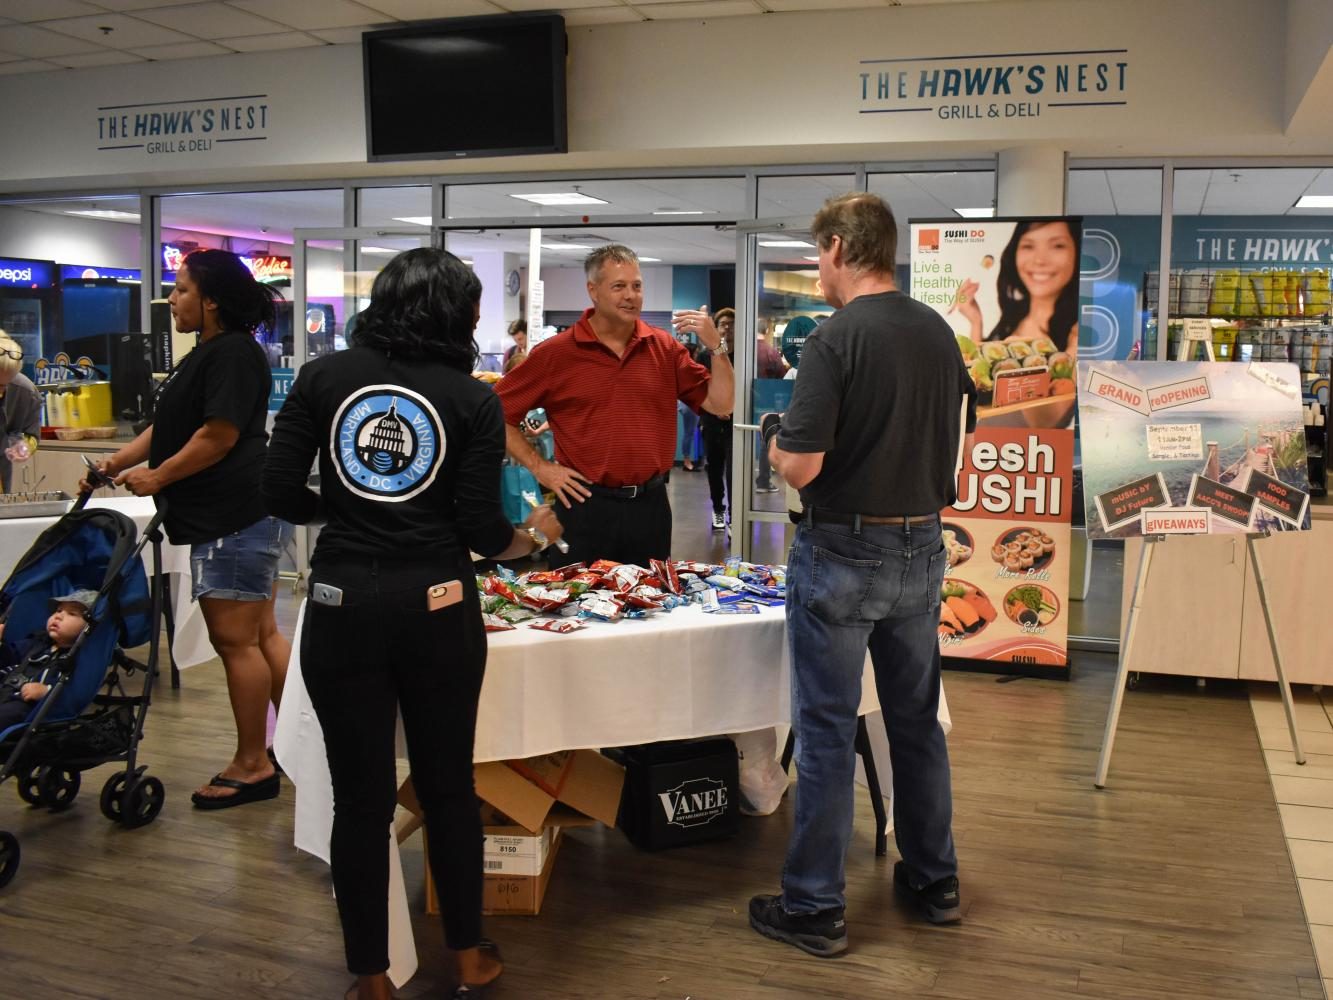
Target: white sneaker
(719, 521)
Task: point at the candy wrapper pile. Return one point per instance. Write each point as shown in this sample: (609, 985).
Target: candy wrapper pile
(565, 599)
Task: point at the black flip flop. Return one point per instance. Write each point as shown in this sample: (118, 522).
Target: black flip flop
(246, 791)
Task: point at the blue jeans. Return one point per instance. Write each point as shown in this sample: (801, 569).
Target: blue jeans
(846, 592)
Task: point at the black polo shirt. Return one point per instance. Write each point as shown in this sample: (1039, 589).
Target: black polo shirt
(880, 391)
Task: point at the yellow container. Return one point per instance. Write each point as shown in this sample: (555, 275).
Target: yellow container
(90, 405)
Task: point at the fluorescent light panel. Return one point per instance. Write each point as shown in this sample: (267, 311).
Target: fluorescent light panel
(565, 246)
(561, 198)
(1314, 201)
(379, 250)
(105, 213)
(650, 260)
(787, 244)
(976, 213)
(682, 211)
(413, 220)
(812, 258)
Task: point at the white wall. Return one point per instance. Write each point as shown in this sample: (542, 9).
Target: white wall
(566, 288)
(1204, 76)
(68, 239)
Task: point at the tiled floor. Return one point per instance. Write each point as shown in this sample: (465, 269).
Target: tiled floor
(1305, 801)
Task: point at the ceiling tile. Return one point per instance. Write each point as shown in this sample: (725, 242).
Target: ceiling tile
(85, 59)
(127, 32)
(211, 20)
(307, 14)
(344, 36)
(708, 8)
(27, 66)
(189, 50)
(45, 10)
(425, 10)
(601, 15)
(790, 5)
(266, 43)
(35, 43)
(546, 4)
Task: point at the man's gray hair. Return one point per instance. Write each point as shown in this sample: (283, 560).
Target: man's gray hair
(615, 253)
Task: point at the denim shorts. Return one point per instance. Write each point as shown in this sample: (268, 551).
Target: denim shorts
(242, 566)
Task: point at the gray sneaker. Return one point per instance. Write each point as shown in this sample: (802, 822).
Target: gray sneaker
(938, 902)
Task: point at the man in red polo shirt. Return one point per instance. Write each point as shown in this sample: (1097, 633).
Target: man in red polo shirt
(609, 385)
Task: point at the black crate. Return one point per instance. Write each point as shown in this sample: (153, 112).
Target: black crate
(680, 793)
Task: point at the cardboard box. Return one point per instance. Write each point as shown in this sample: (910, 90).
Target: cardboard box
(680, 793)
(508, 849)
(512, 895)
(527, 791)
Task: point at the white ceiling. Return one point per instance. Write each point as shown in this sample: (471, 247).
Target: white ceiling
(40, 35)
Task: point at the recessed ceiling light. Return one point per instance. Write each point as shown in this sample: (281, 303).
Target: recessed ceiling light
(561, 198)
(976, 213)
(1314, 201)
(413, 220)
(379, 250)
(564, 246)
(682, 211)
(789, 244)
(105, 213)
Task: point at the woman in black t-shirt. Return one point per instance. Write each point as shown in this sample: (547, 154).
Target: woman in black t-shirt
(409, 447)
(205, 450)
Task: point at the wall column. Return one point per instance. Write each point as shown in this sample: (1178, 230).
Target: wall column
(1031, 180)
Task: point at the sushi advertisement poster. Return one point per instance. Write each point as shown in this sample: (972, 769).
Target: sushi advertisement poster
(1181, 447)
(1009, 290)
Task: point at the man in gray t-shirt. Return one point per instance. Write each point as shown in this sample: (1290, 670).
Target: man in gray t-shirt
(880, 410)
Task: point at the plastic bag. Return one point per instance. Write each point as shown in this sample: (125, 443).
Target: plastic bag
(762, 779)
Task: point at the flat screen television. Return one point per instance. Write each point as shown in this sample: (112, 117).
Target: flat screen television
(467, 86)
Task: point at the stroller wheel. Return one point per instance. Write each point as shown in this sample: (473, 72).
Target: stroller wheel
(142, 802)
(111, 796)
(57, 788)
(29, 789)
(9, 857)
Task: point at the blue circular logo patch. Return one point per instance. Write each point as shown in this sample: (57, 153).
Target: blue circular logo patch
(387, 444)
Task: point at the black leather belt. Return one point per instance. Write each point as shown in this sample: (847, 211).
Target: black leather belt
(630, 492)
(811, 517)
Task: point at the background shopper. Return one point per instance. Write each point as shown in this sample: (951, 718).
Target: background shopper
(22, 411)
(519, 331)
(393, 622)
(609, 386)
(715, 429)
(204, 449)
(871, 440)
(768, 364)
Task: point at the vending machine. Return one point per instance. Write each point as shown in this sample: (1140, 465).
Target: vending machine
(29, 304)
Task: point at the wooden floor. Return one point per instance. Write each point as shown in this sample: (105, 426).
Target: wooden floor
(1175, 882)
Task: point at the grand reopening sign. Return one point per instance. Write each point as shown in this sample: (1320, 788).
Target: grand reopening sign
(1009, 289)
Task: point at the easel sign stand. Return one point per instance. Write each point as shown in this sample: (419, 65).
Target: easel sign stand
(1195, 331)
(1127, 648)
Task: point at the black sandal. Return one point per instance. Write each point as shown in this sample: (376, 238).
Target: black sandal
(245, 791)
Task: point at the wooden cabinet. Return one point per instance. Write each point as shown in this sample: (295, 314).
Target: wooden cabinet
(1190, 621)
(1201, 614)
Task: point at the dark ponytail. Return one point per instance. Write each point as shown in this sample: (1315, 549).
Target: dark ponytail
(243, 303)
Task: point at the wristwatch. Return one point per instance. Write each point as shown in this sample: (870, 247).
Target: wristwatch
(721, 348)
(538, 539)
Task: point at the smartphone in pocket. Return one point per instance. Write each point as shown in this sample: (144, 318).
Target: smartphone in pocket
(443, 595)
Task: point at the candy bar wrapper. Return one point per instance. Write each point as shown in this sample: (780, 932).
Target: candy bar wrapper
(726, 582)
(498, 587)
(771, 592)
(494, 623)
(626, 577)
(603, 566)
(551, 576)
(599, 608)
(561, 625)
(666, 572)
(736, 608)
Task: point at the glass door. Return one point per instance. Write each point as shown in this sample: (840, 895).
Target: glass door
(780, 302)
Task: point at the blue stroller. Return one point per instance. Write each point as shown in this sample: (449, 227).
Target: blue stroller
(87, 718)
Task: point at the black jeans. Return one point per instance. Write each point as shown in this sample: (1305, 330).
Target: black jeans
(628, 531)
(379, 653)
(717, 453)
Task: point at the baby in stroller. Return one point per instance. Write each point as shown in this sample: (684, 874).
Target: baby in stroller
(28, 668)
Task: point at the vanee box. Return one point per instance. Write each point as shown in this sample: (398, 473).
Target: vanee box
(680, 793)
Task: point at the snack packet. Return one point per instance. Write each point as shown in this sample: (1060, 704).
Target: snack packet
(494, 623)
(561, 625)
(733, 608)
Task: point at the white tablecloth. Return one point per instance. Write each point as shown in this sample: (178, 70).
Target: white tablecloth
(671, 676)
(191, 647)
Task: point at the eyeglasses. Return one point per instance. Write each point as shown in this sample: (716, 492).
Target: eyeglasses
(14, 355)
